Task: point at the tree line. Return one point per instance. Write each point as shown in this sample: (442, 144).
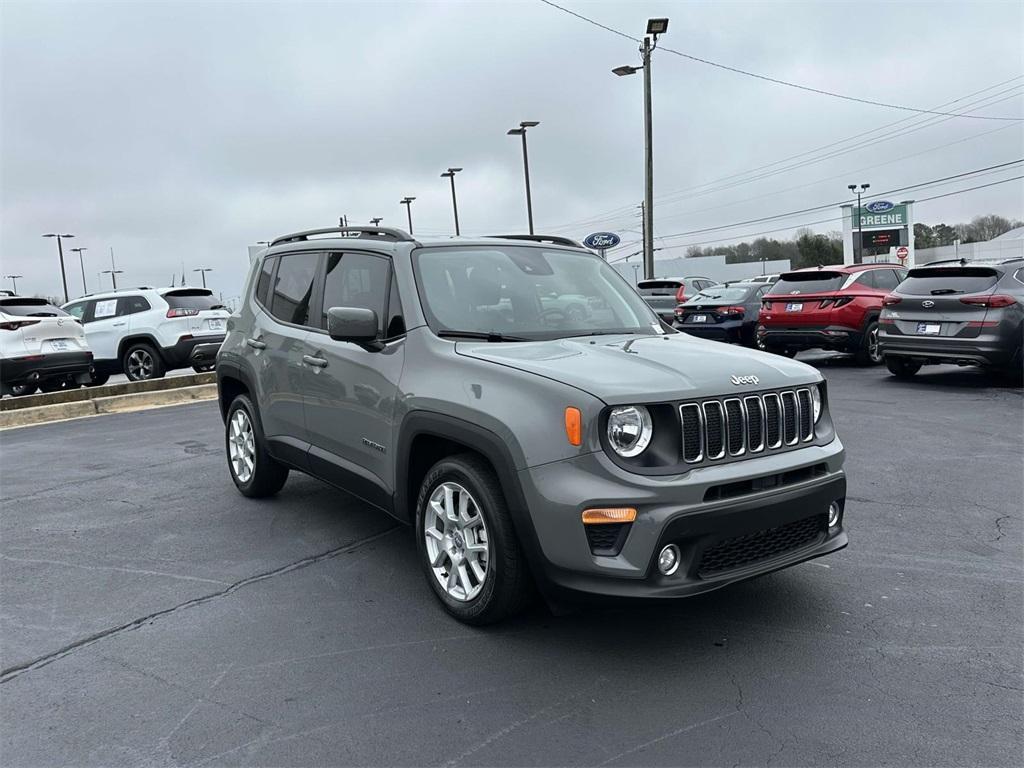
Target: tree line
(809, 249)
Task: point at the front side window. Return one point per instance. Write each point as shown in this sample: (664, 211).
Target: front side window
(356, 280)
(294, 287)
(521, 292)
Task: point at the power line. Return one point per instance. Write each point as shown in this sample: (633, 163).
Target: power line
(777, 81)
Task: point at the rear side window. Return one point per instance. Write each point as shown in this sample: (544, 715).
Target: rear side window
(131, 305)
(818, 281)
(190, 298)
(263, 281)
(658, 287)
(885, 279)
(939, 280)
(356, 280)
(293, 291)
(31, 308)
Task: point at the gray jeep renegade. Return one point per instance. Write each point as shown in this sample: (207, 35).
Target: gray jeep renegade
(518, 403)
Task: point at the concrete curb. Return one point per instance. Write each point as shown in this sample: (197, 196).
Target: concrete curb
(77, 409)
(107, 390)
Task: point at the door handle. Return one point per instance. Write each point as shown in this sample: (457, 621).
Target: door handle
(316, 362)
(118, 325)
(256, 343)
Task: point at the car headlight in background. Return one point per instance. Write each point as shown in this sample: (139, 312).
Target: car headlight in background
(816, 402)
(629, 430)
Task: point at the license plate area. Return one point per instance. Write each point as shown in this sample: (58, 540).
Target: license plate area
(58, 345)
(215, 324)
(929, 329)
(794, 306)
(698, 318)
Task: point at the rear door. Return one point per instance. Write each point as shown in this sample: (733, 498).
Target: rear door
(943, 301)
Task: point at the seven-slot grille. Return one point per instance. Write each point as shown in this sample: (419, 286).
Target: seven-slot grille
(733, 426)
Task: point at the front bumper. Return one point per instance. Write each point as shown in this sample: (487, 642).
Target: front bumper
(988, 349)
(675, 509)
(35, 368)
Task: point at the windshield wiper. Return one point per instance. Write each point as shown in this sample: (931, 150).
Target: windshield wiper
(944, 291)
(481, 335)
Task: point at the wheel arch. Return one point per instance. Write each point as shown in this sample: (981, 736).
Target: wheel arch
(136, 338)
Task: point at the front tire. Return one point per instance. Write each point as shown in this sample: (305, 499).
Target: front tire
(466, 543)
(900, 368)
(142, 363)
(255, 473)
(19, 390)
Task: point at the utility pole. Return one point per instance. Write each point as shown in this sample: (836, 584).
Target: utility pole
(860, 221)
(81, 263)
(60, 252)
(407, 202)
(13, 279)
(450, 174)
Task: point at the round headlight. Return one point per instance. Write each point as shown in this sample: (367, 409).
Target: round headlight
(816, 402)
(629, 430)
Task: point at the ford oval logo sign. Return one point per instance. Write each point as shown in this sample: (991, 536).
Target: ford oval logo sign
(602, 240)
(880, 206)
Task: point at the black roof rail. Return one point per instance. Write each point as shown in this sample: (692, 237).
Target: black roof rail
(553, 239)
(960, 261)
(368, 233)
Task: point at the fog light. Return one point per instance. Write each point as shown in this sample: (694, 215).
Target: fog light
(668, 560)
(833, 514)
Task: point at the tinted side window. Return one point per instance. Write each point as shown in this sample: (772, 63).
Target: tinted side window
(263, 281)
(293, 287)
(132, 304)
(76, 310)
(356, 280)
(886, 280)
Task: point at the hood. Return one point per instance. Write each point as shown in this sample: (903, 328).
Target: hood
(630, 368)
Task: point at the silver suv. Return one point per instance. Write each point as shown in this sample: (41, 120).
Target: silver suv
(586, 454)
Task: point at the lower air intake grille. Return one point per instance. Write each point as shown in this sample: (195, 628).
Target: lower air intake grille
(754, 547)
(607, 538)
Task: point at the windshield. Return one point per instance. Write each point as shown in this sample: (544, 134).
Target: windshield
(526, 293)
(808, 282)
(925, 282)
(722, 293)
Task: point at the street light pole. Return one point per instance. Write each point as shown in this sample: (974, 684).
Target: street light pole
(655, 27)
(202, 271)
(860, 221)
(450, 173)
(81, 263)
(407, 202)
(521, 131)
(113, 275)
(376, 221)
(13, 279)
(60, 252)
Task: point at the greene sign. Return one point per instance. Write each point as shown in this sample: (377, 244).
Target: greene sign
(896, 216)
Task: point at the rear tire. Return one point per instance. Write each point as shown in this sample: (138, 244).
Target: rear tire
(141, 362)
(19, 390)
(255, 473)
(478, 505)
(97, 380)
(203, 368)
(869, 352)
(900, 368)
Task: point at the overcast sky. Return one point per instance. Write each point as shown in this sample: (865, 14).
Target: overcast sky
(179, 133)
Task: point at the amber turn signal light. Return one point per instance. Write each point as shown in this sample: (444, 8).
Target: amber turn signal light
(610, 515)
(574, 425)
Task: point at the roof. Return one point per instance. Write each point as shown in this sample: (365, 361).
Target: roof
(847, 268)
(390, 239)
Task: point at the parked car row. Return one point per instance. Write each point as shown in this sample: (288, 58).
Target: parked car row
(140, 332)
(950, 312)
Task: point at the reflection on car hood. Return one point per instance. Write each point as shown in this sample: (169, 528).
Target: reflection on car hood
(633, 368)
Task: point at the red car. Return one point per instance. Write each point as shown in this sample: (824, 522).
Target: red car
(834, 308)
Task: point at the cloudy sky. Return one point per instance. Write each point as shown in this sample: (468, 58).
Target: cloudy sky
(179, 133)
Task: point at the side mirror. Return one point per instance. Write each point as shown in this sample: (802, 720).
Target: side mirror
(353, 324)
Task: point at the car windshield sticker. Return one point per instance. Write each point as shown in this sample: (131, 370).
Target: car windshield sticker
(106, 308)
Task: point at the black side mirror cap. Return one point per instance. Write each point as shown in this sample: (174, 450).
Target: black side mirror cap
(355, 324)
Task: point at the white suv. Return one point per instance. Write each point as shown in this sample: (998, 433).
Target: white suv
(40, 346)
(145, 332)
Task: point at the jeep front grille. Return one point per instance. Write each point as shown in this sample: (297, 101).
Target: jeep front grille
(732, 426)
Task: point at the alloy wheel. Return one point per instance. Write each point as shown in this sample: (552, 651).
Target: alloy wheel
(140, 365)
(873, 352)
(241, 446)
(456, 539)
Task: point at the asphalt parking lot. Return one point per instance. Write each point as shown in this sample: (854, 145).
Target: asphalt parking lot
(153, 616)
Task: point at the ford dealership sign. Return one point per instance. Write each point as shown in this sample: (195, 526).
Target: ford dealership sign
(601, 240)
(880, 206)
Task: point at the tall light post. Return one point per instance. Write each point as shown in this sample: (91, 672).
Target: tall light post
(860, 220)
(14, 279)
(113, 275)
(202, 271)
(655, 27)
(521, 131)
(376, 220)
(407, 202)
(60, 252)
(450, 174)
(81, 263)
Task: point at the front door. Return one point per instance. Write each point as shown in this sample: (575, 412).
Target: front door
(350, 390)
(106, 323)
